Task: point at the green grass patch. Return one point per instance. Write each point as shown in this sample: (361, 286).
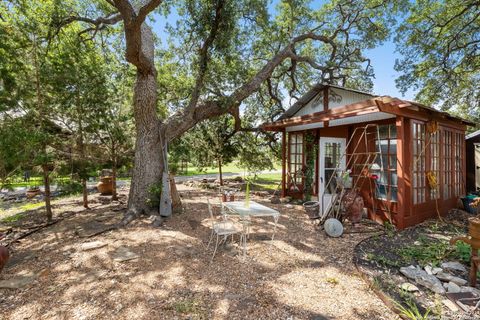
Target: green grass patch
(13, 218)
(267, 181)
(32, 206)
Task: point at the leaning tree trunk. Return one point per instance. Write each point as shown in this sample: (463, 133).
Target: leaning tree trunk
(148, 165)
(46, 182)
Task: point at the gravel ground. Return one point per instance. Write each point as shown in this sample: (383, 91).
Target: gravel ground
(302, 274)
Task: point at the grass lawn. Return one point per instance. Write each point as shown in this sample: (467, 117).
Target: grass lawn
(268, 181)
(36, 181)
(232, 167)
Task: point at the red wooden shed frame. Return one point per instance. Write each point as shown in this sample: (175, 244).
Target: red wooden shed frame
(443, 152)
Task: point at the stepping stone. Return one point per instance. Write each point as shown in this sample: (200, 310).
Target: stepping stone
(124, 254)
(92, 245)
(17, 282)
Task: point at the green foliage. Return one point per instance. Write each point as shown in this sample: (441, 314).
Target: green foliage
(427, 252)
(383, 260)
(13, 218)
(69, 187)
(410, 310)
(253, 154)
(154, 195)
(439, 44)
(390, 229)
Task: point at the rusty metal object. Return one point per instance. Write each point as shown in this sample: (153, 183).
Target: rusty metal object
(4, 255)
(353, 205)
(473, 239)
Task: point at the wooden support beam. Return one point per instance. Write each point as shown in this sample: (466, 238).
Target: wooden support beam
(284, 162)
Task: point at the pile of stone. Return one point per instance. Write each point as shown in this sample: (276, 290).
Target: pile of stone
(448, 278)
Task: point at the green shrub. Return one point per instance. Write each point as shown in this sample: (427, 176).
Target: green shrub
(428, 252)
(68, 187)
(154, 195)
(463, 251)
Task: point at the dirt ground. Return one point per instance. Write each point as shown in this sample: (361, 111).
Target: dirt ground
(302, 274)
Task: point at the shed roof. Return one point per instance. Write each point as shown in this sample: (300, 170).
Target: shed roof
(312, 93)
(385, 104)
(472, 135)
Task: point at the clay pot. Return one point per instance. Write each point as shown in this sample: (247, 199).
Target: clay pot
(312, 209)
(32, 193)
(105, 186)
(474, 231)
(4, 255)
(229, 198)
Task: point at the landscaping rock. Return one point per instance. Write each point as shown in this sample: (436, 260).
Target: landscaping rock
(428, 269)
(407, 286)
(475, 291)
(285, 199)
(17, 282)
(124, 254)
(452, 287)
(422, 278)
(275, 200)
(454, 266)
(436, 270)
(450, 305)
(92, 245)
(449, 278)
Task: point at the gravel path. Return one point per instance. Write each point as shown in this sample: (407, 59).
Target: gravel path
(302, 274)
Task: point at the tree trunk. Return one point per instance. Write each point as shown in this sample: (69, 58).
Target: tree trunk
(114, 174)
(149, 164)
(85, 193)
(46, 183)
(220, 170)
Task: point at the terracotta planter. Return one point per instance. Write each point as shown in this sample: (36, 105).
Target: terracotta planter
(105, 186)
(229, 198)
(32, 193)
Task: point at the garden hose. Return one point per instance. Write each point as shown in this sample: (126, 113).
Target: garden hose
(433, 184)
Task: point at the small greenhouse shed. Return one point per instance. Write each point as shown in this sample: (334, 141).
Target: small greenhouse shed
(405, 159)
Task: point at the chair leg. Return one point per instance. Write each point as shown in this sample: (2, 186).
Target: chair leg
(216, 246)
(209, 241)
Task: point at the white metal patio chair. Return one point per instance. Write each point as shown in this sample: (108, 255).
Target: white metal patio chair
(224, 228)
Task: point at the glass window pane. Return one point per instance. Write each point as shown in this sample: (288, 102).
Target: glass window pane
(393, 131)
(394, 193)
(383, 130)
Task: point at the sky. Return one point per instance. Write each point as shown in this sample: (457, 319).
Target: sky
(383, 61)
(382, 58)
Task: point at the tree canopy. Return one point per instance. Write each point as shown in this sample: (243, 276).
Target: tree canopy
(440, 45)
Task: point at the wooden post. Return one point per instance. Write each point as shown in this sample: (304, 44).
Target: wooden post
(284, 163)
(403, 174)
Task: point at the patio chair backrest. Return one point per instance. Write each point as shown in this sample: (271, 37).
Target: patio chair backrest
(210, 212)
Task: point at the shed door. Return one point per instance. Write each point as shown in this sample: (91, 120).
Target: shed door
(477, 166)
(331, 157)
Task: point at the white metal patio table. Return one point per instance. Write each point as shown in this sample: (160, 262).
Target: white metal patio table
(254, 209)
